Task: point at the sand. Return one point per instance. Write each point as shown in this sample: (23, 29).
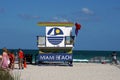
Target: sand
(79, 71)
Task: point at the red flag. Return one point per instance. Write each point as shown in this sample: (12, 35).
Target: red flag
(78, 27)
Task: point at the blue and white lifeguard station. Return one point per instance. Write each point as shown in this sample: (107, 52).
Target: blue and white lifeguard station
(57, 44)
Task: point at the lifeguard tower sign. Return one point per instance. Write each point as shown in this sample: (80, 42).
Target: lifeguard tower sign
(58, 42)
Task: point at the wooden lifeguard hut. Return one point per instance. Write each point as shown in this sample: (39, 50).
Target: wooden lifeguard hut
(57, 43)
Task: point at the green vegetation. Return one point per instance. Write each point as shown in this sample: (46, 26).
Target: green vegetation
(6, 75)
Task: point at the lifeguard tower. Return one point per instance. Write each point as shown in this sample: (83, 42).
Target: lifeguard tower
(57, 44)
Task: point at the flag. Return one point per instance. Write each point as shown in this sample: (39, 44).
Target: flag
(78, 27)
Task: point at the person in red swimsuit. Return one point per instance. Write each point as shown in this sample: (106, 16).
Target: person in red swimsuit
(12, 60)
(21, 56)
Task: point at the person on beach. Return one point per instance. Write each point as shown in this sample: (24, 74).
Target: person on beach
(12, 60)
(5, 59)
(0, 60)
(114, 57)
(21, 57)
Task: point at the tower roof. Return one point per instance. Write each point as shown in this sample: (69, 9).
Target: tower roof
(65, 24)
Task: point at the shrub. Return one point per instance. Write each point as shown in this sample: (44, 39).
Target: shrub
(5, 75)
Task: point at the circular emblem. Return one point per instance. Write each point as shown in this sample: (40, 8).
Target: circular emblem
(55, 36)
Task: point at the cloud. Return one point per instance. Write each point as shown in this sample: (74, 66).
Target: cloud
(88, 19)
(84, 14)
(60, 19)
(87, 11)
(2, 10)
(26, 16)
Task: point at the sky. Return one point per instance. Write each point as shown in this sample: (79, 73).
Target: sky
(100, 20)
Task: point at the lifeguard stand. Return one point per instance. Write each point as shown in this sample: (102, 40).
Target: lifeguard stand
(58, 42)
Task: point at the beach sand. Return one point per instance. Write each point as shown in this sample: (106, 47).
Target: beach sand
(79, 71)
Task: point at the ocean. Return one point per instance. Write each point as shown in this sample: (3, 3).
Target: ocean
(77, 54)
